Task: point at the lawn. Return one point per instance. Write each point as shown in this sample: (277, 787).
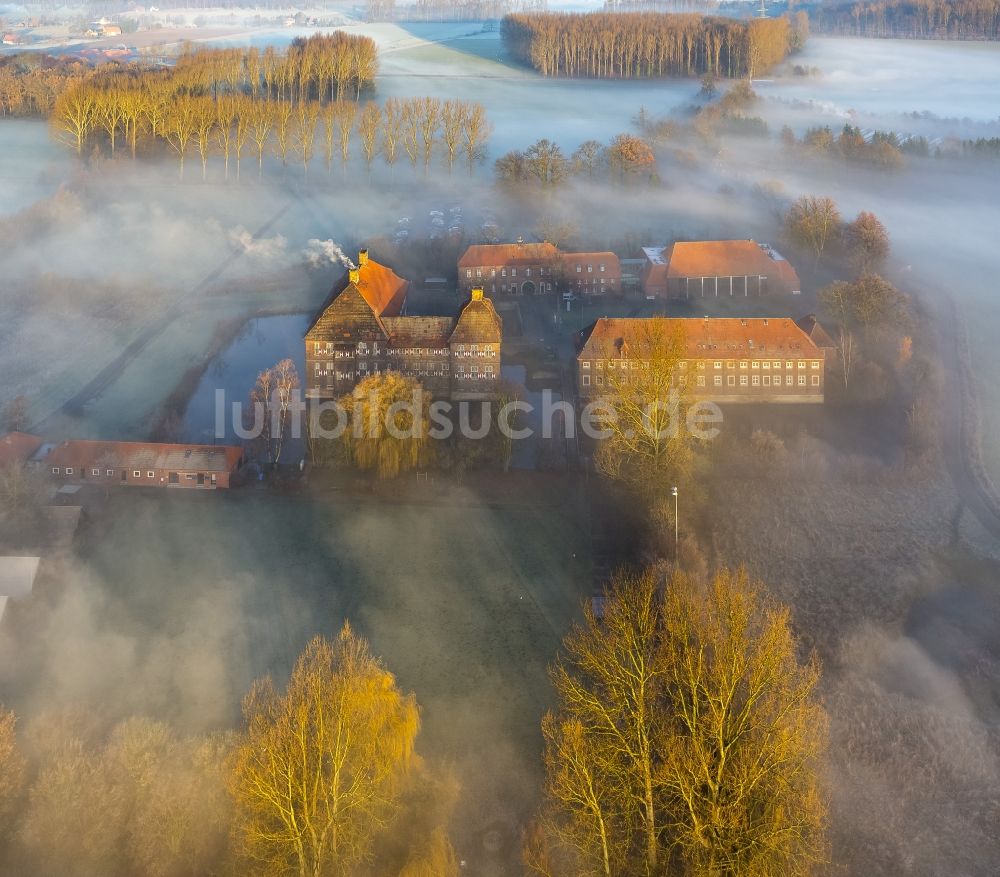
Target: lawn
(465, 599)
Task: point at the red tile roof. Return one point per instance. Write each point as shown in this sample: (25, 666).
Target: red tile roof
(702, 338)
(728, 259)
(18, 447)
(609, 259)
(383, 289)
(85, 454)
(507, 254)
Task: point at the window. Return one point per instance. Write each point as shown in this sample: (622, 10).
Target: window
(815, 380)
(527, 272)
(789, 380)
(513, 272)
(468, 272)
(743, 380)
(755, 380)
(767, 380)
(493, 272)
(600, 379)
(150, 474)
(585, 364)
(95, 471)
(683, 380)
(503, 272)
(718, 363)
(802, 380)
(684, 364)
(730, 364)
(755, 364)
(110, 472)
(513, 287)
(590, 269)
(69, 470)
(633, 365)
(55, 470)
(479, 272)
(600, 363)
(743, 363)
(611, 363)
(766, 364)
(814, 364)
(602, 267)
(777, 363)
(701, 365)
(718, 380)
(731, 380)
(136, 474)
(315, 347)
(701, 380)
(586, 380)
(802, 363)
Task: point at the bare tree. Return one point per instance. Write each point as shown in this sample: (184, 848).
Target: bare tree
(812, 223)
(318, 770)
(369, 123)
(14, 416)
(478, 129)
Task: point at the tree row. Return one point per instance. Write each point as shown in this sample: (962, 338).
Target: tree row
(923, 19)
(647, 44)
(235, 126)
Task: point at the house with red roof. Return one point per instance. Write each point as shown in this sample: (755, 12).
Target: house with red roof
(536, 268)
(694, 269)
(722, 359)
(362, 329)
(142, 464)
(18, 447)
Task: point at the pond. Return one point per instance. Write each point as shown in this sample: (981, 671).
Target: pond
(261, 343)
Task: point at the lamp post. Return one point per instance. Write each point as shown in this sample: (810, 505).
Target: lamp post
(676, 529)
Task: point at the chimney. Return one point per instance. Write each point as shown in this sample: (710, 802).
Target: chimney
(362, 257)
(354, 275)
(477, 293)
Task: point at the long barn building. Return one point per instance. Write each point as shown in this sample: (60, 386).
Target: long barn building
(722, 359)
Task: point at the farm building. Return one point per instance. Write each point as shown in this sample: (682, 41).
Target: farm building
(18, 447)
(725, 359)
(141, 464)
(535, 268)
(361, 330)
(691, 269)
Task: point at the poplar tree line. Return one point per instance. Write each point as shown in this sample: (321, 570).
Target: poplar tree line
(921, 19)
(638, 45)
(121, 110)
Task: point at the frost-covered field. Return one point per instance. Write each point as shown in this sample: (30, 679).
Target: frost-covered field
(952, 80)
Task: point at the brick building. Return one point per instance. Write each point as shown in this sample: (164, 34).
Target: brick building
(362, 330)
(533, 269)
(691, 269)
(725, 359)
(141, 464)
(17, 447)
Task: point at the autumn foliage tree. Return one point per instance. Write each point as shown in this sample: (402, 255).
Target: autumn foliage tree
(11, 771)
(867, 242)
(389, 423)
(687, 737)
(647, 444)
(320, 765)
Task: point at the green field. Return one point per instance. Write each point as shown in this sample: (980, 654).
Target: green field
(465, 599)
